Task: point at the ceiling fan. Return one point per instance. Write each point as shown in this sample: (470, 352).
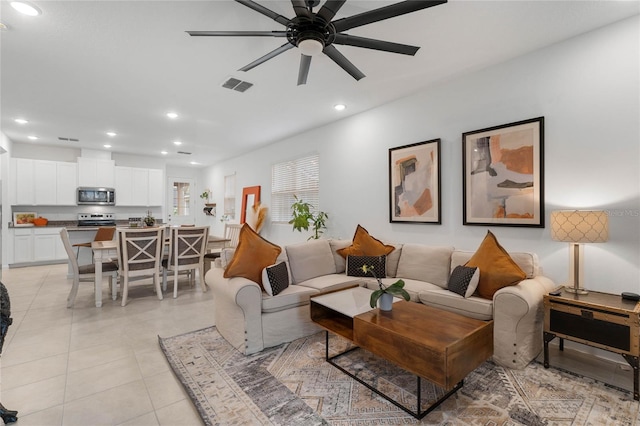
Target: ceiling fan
(316, 32)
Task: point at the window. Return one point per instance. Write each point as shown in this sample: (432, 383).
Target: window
(299, 177)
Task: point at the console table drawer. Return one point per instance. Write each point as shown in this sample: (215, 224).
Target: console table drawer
(608, 329)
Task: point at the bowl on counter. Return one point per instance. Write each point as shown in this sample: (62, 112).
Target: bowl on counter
(40, 221)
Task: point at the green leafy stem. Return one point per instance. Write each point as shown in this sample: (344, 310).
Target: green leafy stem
(395, 289)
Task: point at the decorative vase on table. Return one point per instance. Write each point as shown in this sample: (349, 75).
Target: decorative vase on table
(386, 302)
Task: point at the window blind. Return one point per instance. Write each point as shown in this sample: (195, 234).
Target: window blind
(299, 177)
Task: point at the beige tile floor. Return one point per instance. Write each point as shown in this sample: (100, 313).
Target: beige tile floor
(103, 366)
(95, 366)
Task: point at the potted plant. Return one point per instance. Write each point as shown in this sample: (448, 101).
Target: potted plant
(303, 217)
(149, 220)
(205, 196)
(385, 293)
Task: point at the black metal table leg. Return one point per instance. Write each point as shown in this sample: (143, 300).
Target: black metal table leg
(635, 364)
(547, 337)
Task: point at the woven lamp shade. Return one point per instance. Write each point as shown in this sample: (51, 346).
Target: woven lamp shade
(579, 226)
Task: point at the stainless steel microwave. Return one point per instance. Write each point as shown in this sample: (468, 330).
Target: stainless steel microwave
(96, 196)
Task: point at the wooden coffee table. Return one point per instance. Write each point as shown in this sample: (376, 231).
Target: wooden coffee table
(440, 346)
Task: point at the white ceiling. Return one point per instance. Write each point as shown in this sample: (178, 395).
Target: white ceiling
(83, 68)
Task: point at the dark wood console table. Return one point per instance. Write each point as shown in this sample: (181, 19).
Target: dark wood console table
(601, 320)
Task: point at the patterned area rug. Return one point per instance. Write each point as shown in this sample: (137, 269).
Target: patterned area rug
(293, 385)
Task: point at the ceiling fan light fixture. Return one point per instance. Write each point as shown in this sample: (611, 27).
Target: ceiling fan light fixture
(310, 47)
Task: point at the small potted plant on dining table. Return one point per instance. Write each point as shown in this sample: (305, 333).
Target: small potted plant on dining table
(385, 293)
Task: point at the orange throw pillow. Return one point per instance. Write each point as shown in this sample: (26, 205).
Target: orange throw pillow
(252, 255)
(497, 268)
(365, 245)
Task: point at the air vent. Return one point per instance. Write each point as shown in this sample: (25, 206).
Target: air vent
(184, 153)
(237, 85)
(68, 139)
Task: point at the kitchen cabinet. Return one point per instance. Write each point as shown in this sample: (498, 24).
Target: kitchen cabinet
(24, 182)
(43, 183)
(96, 172)
(139, 187)
(37, 245)
(66, 183)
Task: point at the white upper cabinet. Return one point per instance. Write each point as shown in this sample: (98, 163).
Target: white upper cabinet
(66, 183)
(43, 183)
(96, 172)
(139, 187)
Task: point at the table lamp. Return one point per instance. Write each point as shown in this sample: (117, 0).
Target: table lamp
(577, 227)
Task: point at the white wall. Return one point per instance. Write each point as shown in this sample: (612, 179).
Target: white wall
(587, 88)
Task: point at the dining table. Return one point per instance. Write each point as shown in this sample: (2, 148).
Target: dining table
(105, 251)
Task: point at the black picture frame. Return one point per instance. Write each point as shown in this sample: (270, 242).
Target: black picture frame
(503, 175)
(414, 183)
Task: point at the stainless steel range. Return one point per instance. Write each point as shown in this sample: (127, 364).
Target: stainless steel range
(96, 219)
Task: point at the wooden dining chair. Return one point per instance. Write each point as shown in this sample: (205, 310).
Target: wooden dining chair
(86, 273)
(104, 233)
(231, 233)
(187, 246)
(139, 257)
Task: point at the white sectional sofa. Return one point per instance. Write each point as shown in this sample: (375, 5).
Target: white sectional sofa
(251, 320)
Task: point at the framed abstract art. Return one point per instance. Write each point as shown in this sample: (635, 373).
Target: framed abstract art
(414, 183)
(503, 175)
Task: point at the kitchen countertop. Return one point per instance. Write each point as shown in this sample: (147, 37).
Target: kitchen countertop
(72, 225)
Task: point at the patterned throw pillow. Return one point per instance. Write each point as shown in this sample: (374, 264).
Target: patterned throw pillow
(464, 280)
(355, 264)
(275, 278)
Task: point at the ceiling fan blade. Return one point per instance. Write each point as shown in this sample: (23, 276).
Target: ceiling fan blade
(301, 9)
(382, 13)
(369, 43)
(305, 63)
(268, 56)
(265, 11)
(237, 33)
(343, 62)
(329, 9)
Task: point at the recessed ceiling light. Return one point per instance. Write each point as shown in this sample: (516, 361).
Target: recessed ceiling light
(33, 138)
(26, 8)
(21, 121)
(3, 27)
(172, 115)
(107, 146)
(340, 107)
(163, 152)
(194, 163)
(112, 134)
(177, 143)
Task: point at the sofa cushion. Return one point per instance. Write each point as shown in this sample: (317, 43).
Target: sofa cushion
(275, 278)
(331, 282)
(310, 259)
(425, 263)
(290, 297)
(463, 280)
(365, 245)
(340, 261)
(392, 259)
(497, 268)
(473, 307)
(356, 263)
(225, 256)
(252, 255)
